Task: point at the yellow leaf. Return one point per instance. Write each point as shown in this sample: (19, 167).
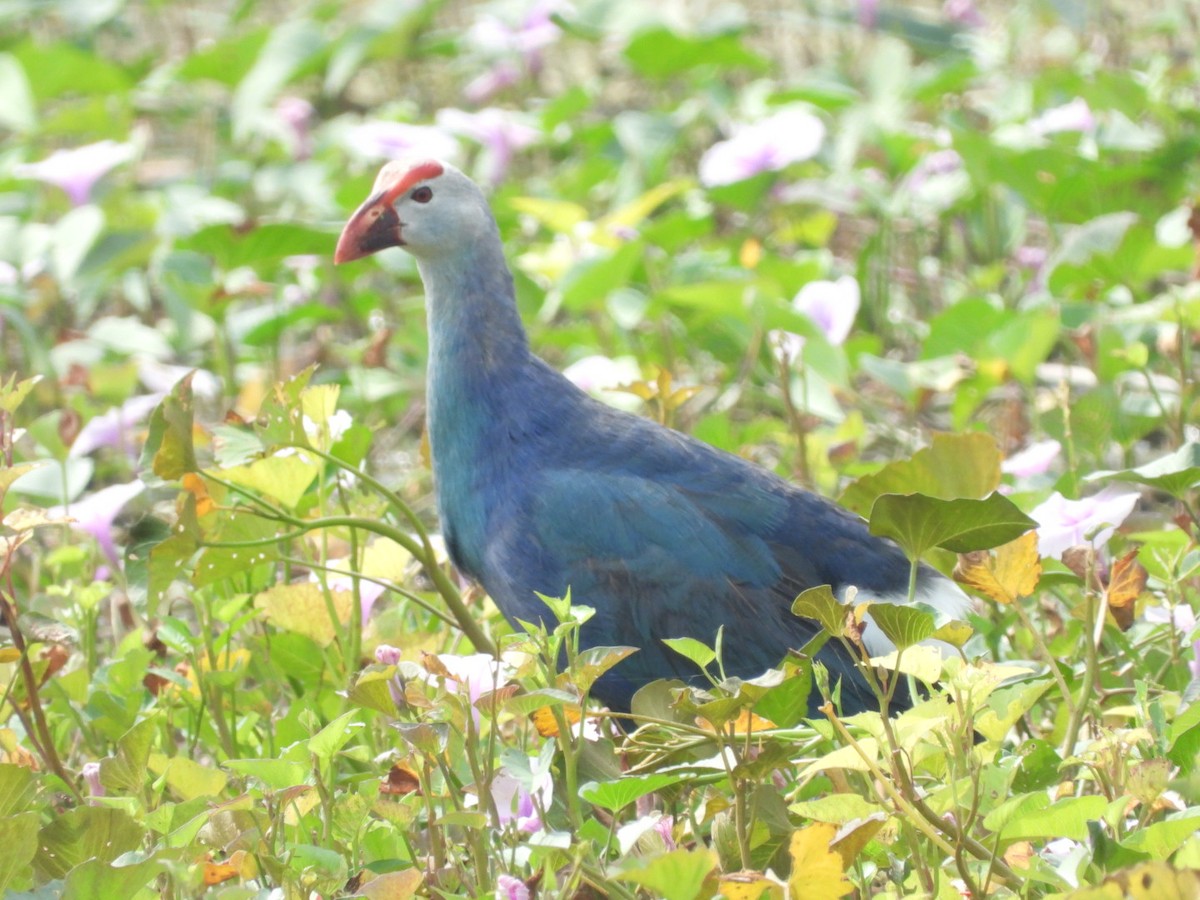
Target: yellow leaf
(748, 886)
(385, 559)
(283, 478)
(393, 885)
(25, 519)
(301, 608)
(1146, 881)
(852, 837)
(751, 253)
(747, 722)
(817, 871)
(1125, 585)
(319, 402)
(1004, 575)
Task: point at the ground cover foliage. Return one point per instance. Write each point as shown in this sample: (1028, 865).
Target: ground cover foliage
(937, 261)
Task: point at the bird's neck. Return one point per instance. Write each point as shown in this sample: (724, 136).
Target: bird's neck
(479, 360)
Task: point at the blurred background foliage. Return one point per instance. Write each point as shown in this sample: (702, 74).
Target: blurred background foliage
(811, 233)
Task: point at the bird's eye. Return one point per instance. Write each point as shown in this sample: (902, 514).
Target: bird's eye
(423, 194)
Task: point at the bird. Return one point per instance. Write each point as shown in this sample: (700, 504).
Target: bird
(542, 489)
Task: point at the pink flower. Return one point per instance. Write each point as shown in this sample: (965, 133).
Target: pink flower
(296, 114)
(484, 87)
(963, 12)
(1030, 257)
(529, 37)
(790, 135)
(91, 774)
(378, 139)
(1035, 459)
(76, 171)
(515, 802)
(479, 673)
(939, 162)
(95, 514)
(509, 888)
(832, 305)
(500, 132)
(868, 13)
(1066, 523)
(387, 655)
(115, 428)
(1073, 116)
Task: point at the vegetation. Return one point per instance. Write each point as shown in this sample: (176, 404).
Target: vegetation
(939, 262)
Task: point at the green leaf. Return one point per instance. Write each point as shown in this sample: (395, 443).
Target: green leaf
(594, 662)
(260, 247)
(424, 737)
(17, 112)
(819, 603)
(89, 832)
(1176, 473)
(98, 878)
(187, 778)
(614, 796)
(659, 52)
(1183, 746)
(697, 651)
(74, 235)
(787, 702)
(291, 44)
(16, 789)
(372, 690)
(595, 277)
(330, 739)
(1034, 816)
(953, 466)
(125, 771)
(169, 450)
(274, 774)
(18, 844)
(919, 523)
(283, 478)
(678, 875)
(903, 625)
(1160, 839)
(838, 809)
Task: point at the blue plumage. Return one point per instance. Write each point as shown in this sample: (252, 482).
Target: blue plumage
(540, 488)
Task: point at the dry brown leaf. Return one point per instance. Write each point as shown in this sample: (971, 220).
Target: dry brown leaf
(1125, 585)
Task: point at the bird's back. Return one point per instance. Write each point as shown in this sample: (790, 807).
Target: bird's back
(665, 537)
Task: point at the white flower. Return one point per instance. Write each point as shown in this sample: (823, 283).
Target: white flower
(76, 171)
(1073, 116)
(790, 135)
(1035, 459)
(1066, 523)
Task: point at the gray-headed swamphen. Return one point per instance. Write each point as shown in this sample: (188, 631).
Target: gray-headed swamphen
(541, 488)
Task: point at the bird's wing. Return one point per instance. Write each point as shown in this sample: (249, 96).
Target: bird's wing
(657, 559)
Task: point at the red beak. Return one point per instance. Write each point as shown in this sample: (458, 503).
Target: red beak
(373, 227)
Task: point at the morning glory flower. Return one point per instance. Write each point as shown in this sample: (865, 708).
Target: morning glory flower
(1035, 459)
(378, 139)
(1073, 116)
(963, 12)
(501, 133)
(95, 514)
(115, 428)
(1063, 523)
(509, 888)
(478, 673)
(91, 774)
(515, 802)
(832, 307)
(788, 136)
(76, 171)
(296, 114)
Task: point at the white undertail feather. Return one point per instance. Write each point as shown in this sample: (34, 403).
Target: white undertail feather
(943, 595)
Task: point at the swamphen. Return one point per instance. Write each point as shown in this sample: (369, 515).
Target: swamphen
(541, 488)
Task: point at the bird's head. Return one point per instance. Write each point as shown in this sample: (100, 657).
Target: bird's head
(426, 206)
